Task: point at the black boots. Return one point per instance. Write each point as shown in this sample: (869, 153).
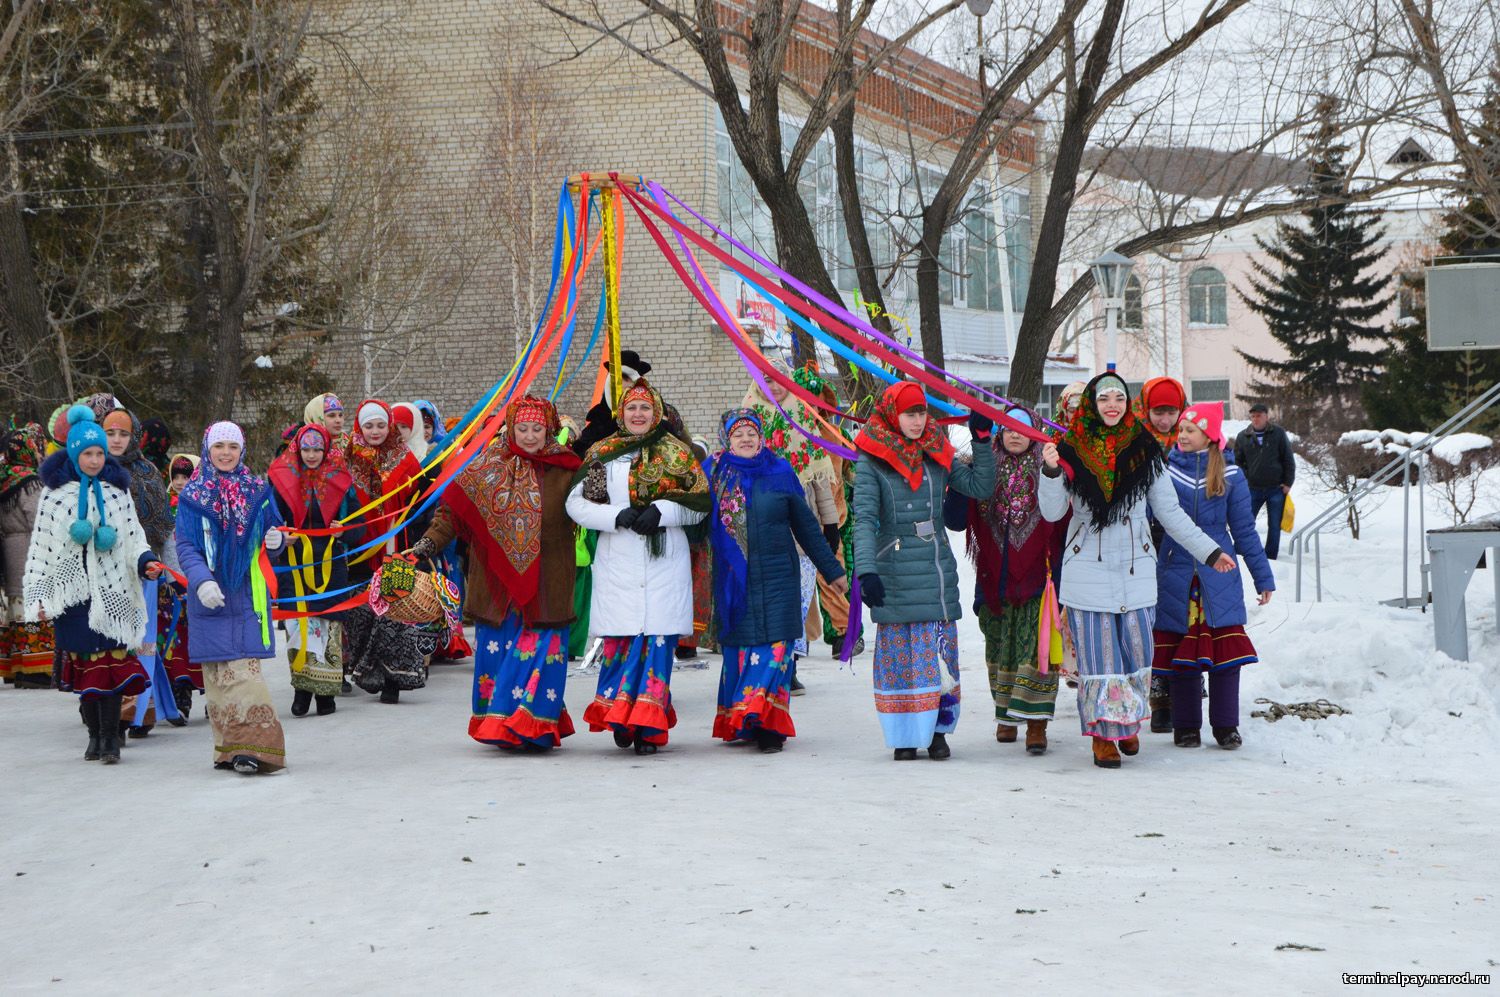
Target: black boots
(245, 765)
(906, 754)
(301, 702)
(769, 741)
(326, 705)
(390, 694)
(1228, 737)
(182, 692)
(796, 688)
(1187, 737)
(90, 710)
(623, 739)
(643, 746)
(109, 729)
(938, 749)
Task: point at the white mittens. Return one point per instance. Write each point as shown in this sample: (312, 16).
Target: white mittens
(211, 595)
(274, 539)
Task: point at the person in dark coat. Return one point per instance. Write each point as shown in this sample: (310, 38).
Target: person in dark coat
(758, 508)
(1263, 452)
(600, 422)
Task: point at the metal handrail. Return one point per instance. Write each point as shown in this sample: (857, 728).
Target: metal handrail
(1401, 464)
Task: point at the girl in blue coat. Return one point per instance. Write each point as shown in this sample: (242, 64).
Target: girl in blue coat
(1200, 615)
(758, 507)
(224, 515)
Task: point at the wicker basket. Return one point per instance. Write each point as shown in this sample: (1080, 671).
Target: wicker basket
(421, 605)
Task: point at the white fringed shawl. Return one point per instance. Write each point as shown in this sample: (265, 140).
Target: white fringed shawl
(60, 574)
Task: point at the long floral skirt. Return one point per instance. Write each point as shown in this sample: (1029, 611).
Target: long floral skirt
(240, 711)
(25, 650)
(117, 672)
(1020, 691)
(519, 674)
(383, 652)
(315, 657)
(755, 692)
(916, 681)
(1114, 670)
(635, 687)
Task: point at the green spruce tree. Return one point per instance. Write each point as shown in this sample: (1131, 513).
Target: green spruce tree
(1314, 293)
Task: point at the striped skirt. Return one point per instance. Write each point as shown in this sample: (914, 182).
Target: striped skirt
(1114, 670)
(1020, 691)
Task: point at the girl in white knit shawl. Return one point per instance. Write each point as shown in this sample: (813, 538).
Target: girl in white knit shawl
(88, 554)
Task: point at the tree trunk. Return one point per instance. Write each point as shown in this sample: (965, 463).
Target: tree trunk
(25, 312)
(218, 196)
(929, 292)
(1035, 336)
(864, 384)
(797, 247)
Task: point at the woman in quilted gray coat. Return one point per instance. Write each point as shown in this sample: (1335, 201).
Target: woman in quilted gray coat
(1107, 468)
(906, 569)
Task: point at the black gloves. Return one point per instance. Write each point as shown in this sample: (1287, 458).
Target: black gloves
(872, 590)
(627, 517)
(980, 425)
(648, 522)
(834, 538)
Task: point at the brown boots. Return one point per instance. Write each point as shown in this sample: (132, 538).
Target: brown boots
(1036, 735)
(1130, 746)
(1106, 755)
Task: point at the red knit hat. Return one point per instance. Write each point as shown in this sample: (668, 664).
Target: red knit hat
(403, 418)
(1209, 417)
(1164, 392)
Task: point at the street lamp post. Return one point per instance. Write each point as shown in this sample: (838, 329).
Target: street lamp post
(1112, 273)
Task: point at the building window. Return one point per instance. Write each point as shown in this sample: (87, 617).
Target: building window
(1213, 389)
(1017, 208)
(1134, 316)
(1208, 297)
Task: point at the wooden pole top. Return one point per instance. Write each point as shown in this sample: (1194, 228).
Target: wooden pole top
(602, 181)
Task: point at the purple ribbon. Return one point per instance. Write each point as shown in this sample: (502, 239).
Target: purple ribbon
(856, 620)
(721, 315)
(838, 310)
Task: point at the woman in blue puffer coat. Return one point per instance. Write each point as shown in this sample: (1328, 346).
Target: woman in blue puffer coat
(1200, 615)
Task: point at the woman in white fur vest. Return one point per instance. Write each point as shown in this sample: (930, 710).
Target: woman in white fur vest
(83, 573)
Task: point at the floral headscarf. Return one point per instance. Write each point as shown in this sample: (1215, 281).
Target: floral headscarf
(736, 481)
(810, 461)
(1111, 466)
(302, 487)
(21, 456)
(1012, 510)
(156, 441)
(498, 497)
(372, 466)
(663, 467)
(224, 513)
(882, 438)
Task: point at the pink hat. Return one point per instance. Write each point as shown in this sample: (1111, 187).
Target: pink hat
(1209, 417)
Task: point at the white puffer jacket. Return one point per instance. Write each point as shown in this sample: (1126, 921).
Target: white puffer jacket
(635, 593)
(1114, 570)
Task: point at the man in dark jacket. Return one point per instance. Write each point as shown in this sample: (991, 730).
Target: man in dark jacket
(1264, 453)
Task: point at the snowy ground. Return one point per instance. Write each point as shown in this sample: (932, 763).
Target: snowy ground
(396, 855)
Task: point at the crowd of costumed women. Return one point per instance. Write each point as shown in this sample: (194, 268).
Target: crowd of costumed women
(1108, 543)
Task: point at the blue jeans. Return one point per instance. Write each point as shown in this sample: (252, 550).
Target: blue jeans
(1274, 499)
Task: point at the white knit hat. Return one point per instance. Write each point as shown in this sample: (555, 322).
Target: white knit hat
(372, 411)
(223, 432)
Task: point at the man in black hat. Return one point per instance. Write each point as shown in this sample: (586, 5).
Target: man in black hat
(1263, 452)
(600, 422)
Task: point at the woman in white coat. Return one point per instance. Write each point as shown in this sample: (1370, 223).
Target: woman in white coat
(640, 489)
(1108, 468)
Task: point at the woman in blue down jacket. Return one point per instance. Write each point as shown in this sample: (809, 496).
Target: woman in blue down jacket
(1200, 616)
(758, 508)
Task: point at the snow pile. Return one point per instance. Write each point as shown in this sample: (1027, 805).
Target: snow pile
(1452, 449)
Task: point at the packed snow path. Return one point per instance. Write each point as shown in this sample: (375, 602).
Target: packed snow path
(396, 855)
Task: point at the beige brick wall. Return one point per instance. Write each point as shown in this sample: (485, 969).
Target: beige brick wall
(627, 115)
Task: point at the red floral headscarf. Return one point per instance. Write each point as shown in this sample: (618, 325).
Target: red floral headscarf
(882, 436)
